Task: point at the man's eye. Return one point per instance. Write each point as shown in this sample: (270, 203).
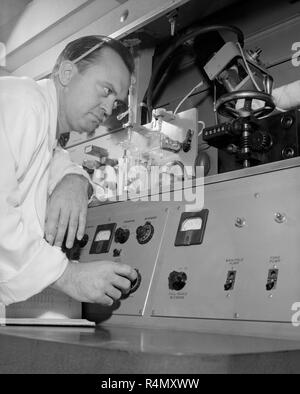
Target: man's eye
(107, 91)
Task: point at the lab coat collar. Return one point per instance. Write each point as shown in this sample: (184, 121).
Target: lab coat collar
(49, 91)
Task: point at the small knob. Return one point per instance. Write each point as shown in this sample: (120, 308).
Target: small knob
(121, 235)
(84, 240)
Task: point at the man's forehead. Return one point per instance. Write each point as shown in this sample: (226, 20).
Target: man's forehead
(109, 55)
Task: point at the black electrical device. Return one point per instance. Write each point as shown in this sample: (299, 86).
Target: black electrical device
(258, 141)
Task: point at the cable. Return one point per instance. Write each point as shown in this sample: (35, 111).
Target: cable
(203, 127)
(187, 96)
(248, 68)
(215, 103)
(206, 147)
(181, 40)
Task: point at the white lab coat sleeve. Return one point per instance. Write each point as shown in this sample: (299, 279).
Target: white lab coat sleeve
(61, 166)
(28, 264)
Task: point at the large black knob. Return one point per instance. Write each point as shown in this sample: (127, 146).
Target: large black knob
(177, 280)
(121, 235)
(84, 240)
(75, 251)
(134, 285)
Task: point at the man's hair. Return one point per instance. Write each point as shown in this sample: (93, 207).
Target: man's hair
(85, 52)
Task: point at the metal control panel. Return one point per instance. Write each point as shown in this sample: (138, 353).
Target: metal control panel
(132, 236)
(242, 267)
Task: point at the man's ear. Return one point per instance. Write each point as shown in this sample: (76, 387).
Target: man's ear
(66, 71)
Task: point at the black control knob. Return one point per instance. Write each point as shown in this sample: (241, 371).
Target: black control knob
(75, 251)
(134, 285)
(84, 240)
(144, 233)
(177, 280)
(121, 235)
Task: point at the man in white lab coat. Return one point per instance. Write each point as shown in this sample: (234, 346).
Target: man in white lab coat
(89, 79)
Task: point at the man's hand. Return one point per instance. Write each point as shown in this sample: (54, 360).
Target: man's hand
(67, 208)
(98, 282)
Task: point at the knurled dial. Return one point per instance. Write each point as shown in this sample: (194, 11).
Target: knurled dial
(261, 141)
(144, 233)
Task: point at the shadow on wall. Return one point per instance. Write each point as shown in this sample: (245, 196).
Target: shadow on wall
(4, 72)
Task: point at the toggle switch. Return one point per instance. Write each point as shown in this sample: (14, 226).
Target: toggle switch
(230, 280)
(117, 252)
(272, 279)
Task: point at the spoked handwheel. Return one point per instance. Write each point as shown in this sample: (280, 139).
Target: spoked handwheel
(227, 104)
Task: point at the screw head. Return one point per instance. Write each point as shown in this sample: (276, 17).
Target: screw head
(240, 222)
(279, 217)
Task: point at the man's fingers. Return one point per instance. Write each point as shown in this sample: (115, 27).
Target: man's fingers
(62, 228)
(51, 225)
(126, 270)
(114, 293)
(104, 300)
(82, 222)
(73, 224)
(122, 283)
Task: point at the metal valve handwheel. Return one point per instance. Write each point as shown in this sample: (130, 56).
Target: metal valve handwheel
(227, 104)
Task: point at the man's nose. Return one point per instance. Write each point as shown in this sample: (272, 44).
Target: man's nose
(108, 105)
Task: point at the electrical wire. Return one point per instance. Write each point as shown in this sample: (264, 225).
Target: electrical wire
(248, 68)
(215, 103)
(190, 34)
(187, 96)
(206, 147)
(203, 127)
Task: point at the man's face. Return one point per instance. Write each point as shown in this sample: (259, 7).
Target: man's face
(90, 97)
